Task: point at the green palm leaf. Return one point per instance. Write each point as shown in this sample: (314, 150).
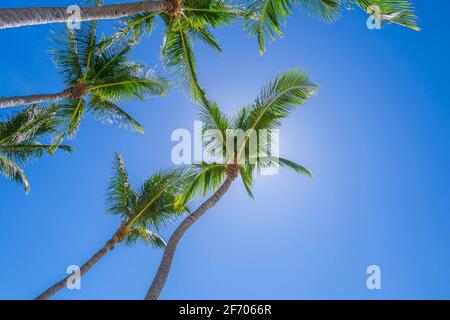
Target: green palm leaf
(100, 76)
(200, 180)
(266, 162)
(156, 199)
(12, 171)
(246, 173)
(265, 19)
(400, 12)
(179, 57)
(275, 102)
(109, 113)
(152, 205)
(121, 197)
(25, 151)
(145, 235)
(279, 98)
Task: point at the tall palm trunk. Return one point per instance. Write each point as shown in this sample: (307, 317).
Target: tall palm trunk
(19, 17)
(116, 239)
(169, 252)
(10, 102)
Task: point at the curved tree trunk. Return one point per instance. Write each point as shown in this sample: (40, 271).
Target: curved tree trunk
(19, 17)
(169, 252)
(117, 238)
(38, 98)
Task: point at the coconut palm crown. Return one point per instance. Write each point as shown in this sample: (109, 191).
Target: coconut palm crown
(143, 212)
(21, 139)
(276, 101)
(150, 206)
(98, 79)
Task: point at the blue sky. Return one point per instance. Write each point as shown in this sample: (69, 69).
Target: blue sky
(376, 137)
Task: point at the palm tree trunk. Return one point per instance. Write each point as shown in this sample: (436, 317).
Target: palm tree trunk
(117, 238)
(169, 252)
(19, 17)
(24, 100)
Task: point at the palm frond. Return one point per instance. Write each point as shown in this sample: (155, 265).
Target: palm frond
(266, 162)
(65, 55)
(326, 10)
(121, 197)
(109, 113)
(213, 118)
(203, 34)
(246, 173)
(12, 171)
(131, 81)
(25, 151)
(212, 13)
(265, 19)
(179, 57)
(72, 111)
(20, 137)
(145, 235)
(400, 12)
(155, 205)
(201, 179)
(132, 30)
(279, 98)
(28, 124)
(215, 126)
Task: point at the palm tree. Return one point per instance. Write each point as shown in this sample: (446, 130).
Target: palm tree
(191, 21)
(151, 206)
(19, 17)
(275, 102)
(266, 17)
(21, 140)
(96, 80)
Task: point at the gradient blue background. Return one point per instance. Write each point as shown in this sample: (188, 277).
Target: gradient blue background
(376, 136)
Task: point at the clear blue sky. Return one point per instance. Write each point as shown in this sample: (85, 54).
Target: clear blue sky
(376, 136)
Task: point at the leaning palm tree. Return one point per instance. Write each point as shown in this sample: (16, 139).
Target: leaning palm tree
(151, 206)
(265, 18)
(20, 17)
(96, 80)
(276, 102)
(191, 20)
(21, 140)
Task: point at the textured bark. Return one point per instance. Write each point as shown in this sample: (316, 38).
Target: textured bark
(38, 98)
(169, 252)
(116, 239)
(19, 17)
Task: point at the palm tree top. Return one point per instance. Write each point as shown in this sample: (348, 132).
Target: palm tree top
(275, 102)
(149, 207)
(106, 76)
